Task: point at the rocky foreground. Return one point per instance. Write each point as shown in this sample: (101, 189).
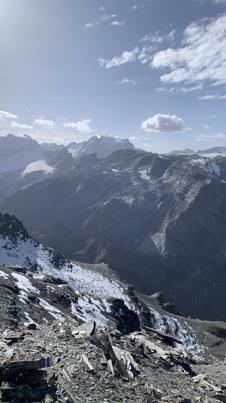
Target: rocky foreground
(50, 355)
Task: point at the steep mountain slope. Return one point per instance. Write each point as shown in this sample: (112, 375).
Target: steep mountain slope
(45, 284)
(17, 249)
(160, 221)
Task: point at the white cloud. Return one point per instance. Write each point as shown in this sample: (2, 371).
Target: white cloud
(107, 17)
(83, 126)
(4, 115)
(17, 125)
(157, 38)
(187, 90)
(144, 54)
(89, 25)
(126, 57)
(205, 126)
(201, 56)
(183, 90)
(116, 23)
(162, 123)
(209, 97)
(134, 7)
(219, 2)
(210, 137)
(48, 124)
(126, 80)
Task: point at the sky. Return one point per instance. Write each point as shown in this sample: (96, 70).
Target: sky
(153, 71)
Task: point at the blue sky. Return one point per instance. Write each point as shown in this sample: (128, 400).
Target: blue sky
(153, 71)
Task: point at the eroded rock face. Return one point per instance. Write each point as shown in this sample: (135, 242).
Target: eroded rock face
(159, 221)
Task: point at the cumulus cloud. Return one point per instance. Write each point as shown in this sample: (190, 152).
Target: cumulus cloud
(47, 124)
(17, 125)
(201, 56)
(162, 123)
(4, 116)
(83, 126)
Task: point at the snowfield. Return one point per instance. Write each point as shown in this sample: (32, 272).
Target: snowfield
(29, 254)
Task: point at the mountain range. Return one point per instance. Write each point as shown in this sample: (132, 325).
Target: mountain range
(72, 327)
(157, 220)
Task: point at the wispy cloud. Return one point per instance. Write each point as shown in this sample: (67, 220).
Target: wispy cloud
(209, 97)
(210, 137)
(17, 125)
(4, 116)
(126, 57)
(83, 126)
(180, 90)
(163, 123)
(42, 122)
(157, 38)
(89, 25)
(126, 80)
(142, 53)
(219, 2)
(201, 56)
(108, 17)
(116, 23)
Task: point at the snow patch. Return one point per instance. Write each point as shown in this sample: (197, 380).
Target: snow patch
(29, 320)
(173, 327)
(144, 174)
(23, 283)
(89, 309)
(56, 313)
(3, 275)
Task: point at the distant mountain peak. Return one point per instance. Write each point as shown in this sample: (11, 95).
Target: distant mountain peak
(102, 146)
